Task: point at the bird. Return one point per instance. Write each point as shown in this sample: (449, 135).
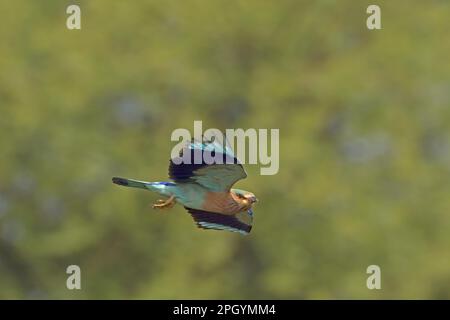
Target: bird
(204, 188)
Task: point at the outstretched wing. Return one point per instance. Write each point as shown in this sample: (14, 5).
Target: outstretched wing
(219, 176)
(240, 222)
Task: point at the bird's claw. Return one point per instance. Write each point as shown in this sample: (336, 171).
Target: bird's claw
(164, 204)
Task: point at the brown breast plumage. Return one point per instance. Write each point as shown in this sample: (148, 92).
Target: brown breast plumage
(223, 202)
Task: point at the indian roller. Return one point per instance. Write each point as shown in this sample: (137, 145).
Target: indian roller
(204, 189)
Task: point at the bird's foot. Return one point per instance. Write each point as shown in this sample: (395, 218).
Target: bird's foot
(165, 204)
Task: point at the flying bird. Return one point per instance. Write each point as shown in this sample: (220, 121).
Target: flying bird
(205, 190)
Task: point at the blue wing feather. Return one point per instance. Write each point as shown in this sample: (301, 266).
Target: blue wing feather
(215, 177)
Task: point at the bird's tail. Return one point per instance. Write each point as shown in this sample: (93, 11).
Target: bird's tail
(130, 183)
(163, 188)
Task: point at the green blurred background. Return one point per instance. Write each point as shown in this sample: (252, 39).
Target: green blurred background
(364, 147)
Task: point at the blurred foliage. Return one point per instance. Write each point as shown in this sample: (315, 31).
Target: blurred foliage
(364, 147)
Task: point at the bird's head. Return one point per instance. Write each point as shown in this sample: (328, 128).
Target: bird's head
(247, 196)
